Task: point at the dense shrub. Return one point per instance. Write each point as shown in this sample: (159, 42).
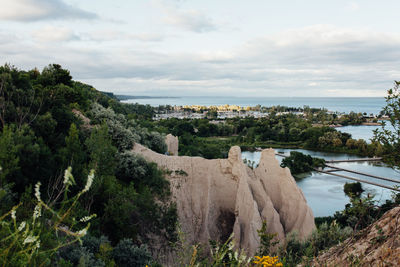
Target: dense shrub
(127, 254)
(353, 189)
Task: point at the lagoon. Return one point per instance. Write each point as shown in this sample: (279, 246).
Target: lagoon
(324, 193)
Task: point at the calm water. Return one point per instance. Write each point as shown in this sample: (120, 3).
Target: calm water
(363, 131)
(342, 104)
(324, 193)
(360, 132)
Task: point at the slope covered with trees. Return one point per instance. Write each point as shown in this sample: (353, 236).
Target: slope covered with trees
(44, 129)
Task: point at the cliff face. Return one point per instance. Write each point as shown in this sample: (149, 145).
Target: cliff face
(220, 196)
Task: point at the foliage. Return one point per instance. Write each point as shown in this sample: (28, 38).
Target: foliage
(134, 168)
(44, 128)
(391, 139)
(363, 210)
(8, 154)
(353, 189)
(126, 132)
(295, 250)
(267, 242)
(34, 240)
(226, 255)
(298, 162)
(127, 254)
(359, 213)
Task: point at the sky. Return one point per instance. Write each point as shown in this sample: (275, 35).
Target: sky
(308, 48)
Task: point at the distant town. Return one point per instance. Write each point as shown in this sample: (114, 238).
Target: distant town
(218, 113)
(227, 111)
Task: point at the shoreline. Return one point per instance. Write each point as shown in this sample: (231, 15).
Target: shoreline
(362, 124)
(371, 124)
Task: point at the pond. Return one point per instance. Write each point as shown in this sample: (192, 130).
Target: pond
(324, 192)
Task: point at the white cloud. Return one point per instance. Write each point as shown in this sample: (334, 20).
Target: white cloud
(188, 19)
(116, 35)
(34, 10)
(311, 61)
(6, 38)
(54, 34)
(324, 44)
(191, 20)
(352, 6)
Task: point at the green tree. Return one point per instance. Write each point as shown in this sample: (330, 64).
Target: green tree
(101, 151)
(391, 138)
(8, 154)
(297, 162)
(353, 189)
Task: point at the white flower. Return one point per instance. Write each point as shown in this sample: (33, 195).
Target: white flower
(13, 216)
(37, 212)
(21, 226)
(37, 246)
(89, 181)
(68, 178)
(87, 218)
(37, 191)
(30, 239)
(82, 232)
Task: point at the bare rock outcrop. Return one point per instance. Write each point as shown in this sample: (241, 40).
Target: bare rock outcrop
(172, 143)
(220, 196)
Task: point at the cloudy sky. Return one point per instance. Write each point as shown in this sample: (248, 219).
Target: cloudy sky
(210, 47)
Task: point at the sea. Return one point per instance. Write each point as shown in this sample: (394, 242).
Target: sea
(340, 104)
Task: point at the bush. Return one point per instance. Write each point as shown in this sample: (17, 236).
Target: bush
(134, 168)
(295, 250)
(126, 132)
(353, 189)
(127, 254)
(93, 252)
(34, 240)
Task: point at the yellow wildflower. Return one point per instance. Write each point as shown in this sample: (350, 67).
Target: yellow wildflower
(267, 261)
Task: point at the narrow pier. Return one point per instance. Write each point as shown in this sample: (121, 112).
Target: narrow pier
(353, 160)
(360, 180)
(338, 169)
(361, 173)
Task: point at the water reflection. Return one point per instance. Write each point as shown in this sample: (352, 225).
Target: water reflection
(324, 193)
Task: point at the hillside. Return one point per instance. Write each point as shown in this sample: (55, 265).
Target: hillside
(376, 245)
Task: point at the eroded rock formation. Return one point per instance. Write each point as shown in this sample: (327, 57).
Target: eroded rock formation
(220, 196)
(172, 144)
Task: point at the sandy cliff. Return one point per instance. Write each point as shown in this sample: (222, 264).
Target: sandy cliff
(220, 196)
